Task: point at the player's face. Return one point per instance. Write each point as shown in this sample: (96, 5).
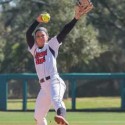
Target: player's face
(41, 37)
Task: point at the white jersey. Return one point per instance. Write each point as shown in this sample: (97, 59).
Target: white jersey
(44, 60)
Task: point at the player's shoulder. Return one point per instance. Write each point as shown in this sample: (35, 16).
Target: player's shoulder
(53, 39)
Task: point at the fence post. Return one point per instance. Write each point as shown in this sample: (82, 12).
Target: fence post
(123, 94)
(3, 93)
(24, 95)
(73, 84)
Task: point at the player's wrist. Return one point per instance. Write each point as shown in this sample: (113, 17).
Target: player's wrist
(36, 21)
(77, 17)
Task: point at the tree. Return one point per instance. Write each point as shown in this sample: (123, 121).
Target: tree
(108, 19)
(96, 44)
(85, 48)
(22, 15)
(2, 43)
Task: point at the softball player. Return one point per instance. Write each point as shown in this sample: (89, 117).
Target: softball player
(45, 53)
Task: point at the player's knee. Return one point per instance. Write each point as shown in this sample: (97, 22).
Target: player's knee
(56, 100)
(58, 103)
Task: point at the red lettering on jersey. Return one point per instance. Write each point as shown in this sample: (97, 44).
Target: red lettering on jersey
(39, 61)
(40, 57)
(41, 54)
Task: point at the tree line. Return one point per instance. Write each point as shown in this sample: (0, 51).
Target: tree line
(96, 44)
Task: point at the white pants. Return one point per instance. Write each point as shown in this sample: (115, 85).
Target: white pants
(52, 92)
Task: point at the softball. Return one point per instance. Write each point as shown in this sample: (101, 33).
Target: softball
(45, 17)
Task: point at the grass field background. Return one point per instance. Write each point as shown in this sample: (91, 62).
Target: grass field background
(74, 118)
(81, 103)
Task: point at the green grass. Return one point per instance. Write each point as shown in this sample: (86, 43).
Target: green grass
(81, 103)
(74, 118)
(98, 102)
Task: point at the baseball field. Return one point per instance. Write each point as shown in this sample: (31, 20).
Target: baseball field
(74, 118)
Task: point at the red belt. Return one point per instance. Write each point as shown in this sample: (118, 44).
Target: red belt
(44, 79)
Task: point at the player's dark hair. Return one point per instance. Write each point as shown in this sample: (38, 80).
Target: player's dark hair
(41, 29)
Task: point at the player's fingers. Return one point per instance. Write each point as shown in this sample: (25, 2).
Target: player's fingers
(83, 11)
(89, 1)
(88, 9)
(85, 5)
(78, 3)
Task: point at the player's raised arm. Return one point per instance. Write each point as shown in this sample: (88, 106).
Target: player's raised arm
(66, 29)
(29, 33)
(82, 7)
